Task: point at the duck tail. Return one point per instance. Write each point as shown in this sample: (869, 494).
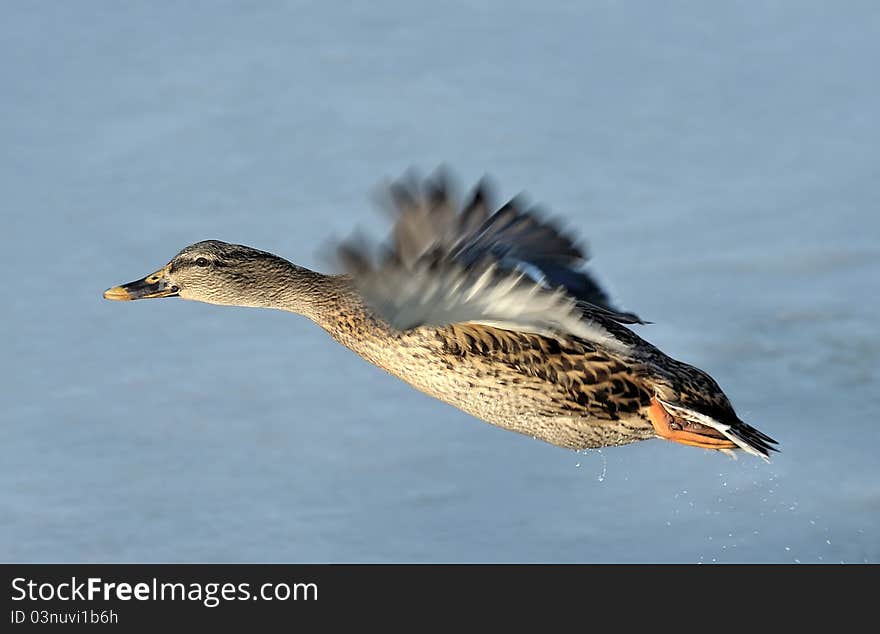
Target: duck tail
(729, 426)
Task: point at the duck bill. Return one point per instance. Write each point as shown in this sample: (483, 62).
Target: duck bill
(153, 285)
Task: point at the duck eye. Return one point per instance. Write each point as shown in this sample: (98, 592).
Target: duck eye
(202, 262)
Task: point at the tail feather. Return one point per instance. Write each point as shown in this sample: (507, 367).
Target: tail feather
(742, 434)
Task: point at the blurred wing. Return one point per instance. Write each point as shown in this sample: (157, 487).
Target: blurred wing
(509, 269)
(437, 292)
(516, 236)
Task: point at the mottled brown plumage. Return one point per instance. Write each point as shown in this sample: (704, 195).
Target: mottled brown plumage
(491, 313)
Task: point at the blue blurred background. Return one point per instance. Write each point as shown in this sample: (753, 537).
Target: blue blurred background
(720, 159)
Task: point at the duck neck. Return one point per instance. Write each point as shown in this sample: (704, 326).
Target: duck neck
(328, 300)
(305, 292)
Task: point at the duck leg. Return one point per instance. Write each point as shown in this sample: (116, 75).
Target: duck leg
(685, 432)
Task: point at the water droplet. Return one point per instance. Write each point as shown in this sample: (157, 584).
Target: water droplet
(828, 541)
(788, 548)
(601, 476)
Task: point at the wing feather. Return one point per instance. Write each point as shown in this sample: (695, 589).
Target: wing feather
(448, 264)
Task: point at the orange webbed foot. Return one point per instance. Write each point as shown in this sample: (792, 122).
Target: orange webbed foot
(685, 432)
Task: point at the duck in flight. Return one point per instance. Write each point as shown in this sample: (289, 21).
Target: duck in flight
(489, 310)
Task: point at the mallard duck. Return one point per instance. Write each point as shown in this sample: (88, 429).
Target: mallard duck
(489, 311)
